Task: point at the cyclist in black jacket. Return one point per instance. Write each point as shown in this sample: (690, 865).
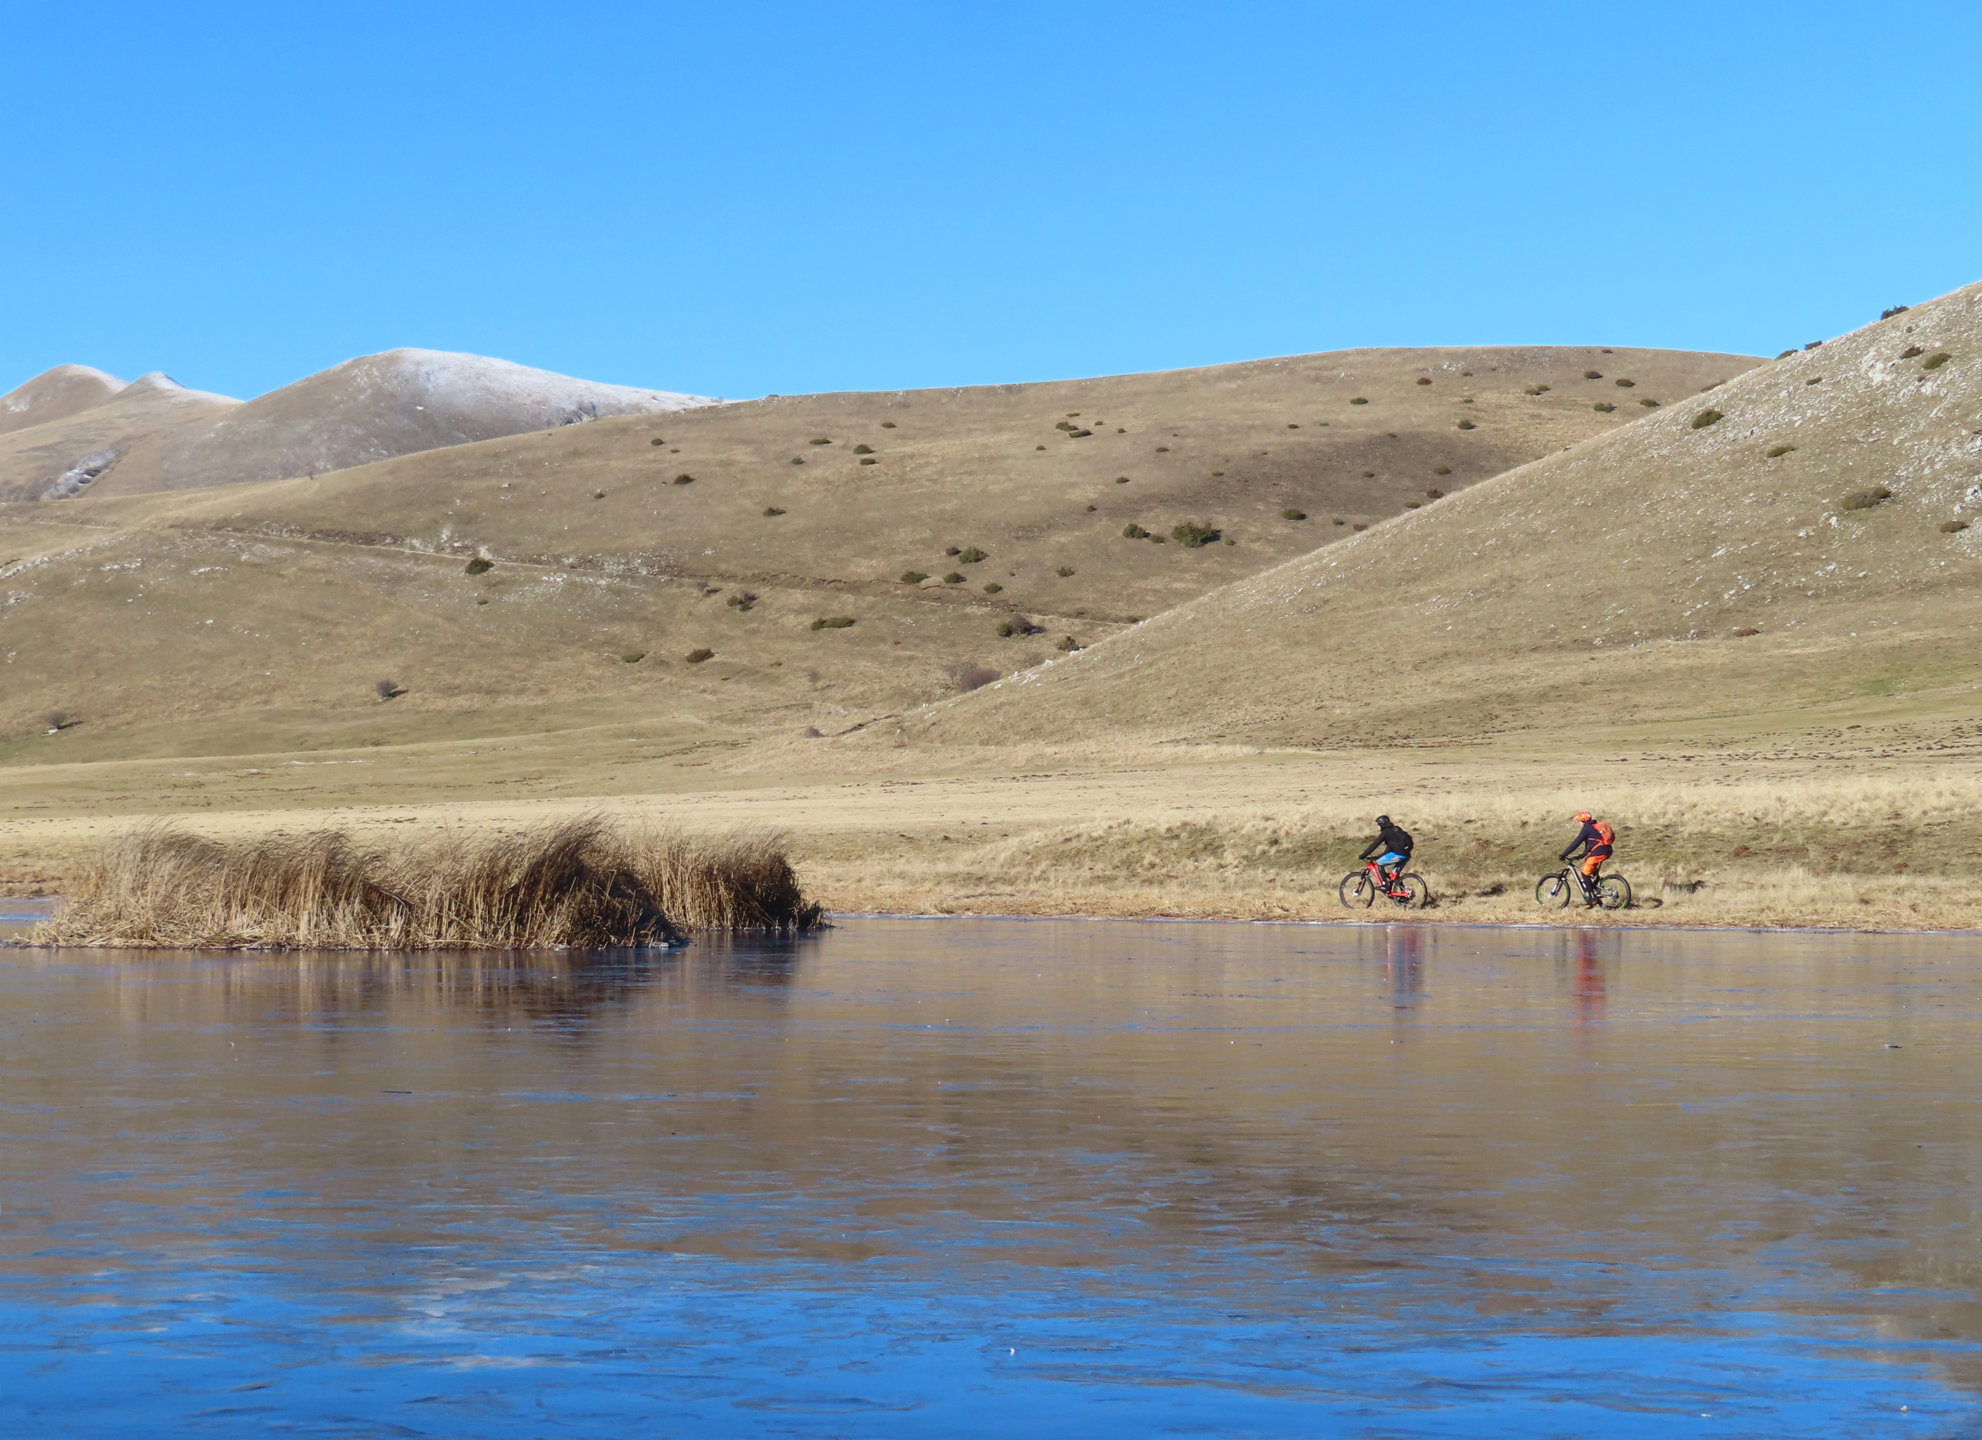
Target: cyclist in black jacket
(1394, 841)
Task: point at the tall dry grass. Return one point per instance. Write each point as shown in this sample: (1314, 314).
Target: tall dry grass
(576, 883)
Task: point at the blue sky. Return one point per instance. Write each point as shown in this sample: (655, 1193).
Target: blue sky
(744, 198)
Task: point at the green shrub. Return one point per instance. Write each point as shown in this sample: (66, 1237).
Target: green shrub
(1707, 417)
(481, 599)
(1195, 534)
(633, 657)
(955, 577)
(1467, 425)
(598, 494)
(478, 566)
(1776, 452)
(870, 460)
(1891, 311)
(1360, 400)
(971, 556)
(1339, 521)
(772, 510)
(657, 440)
(832, 622)
(1787, 353)
(914, 577)
(796, 461)
(952, 550)
(1216, 474)
(1133, 531)
(1121, 479)
(1293, 514)
(1539, 389)
(742, 600)
(1423, 380)
(696, 657)
(1649, 404)
(1064, 571)
(1951, 527)
(1865, 499)
(684, 479)
(1441, 469)
(1813, 345)
(863, 449)
(1936, 360)
(1602, 409)
(1410, 504)
(1162, 449)
(1068, 644)
(1006, 629)
(1593, 374)
(992, 587)
(819, 440)
(1369, 474)
(1359, 526)
(1625, 384)
(1434, 494)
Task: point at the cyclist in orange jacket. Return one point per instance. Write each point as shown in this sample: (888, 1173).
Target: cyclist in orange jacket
(1594, 840)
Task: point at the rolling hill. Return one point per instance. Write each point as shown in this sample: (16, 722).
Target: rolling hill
(154, 435)
(959, 530)
(1804, 535)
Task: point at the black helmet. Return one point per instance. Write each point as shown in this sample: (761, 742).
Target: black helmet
(1382, 820)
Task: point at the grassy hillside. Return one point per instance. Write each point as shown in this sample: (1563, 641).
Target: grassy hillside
(256, 618)
(1798, 537)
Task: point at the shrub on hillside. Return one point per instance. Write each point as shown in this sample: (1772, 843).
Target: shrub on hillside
(684, 479)
(1068, 644)
(478, 566)
(1936, 360)
(1603, 409)
(1952, 527)
(742, 600)
(1625, 384)
(657, 440)
(971, 556)
(1121, 479)
(1776, 452)
(1593, 374)
(914, 577)
(870, 460)
(1706, 418)
(1467, 425)
(1910, 351)
(1360, 400)
(1538, 389)
(1064, 571)
(1195, 534)
(633, 657)
(863, 449)
(951, 550)
(832, 622)
(819, 440)
(1865, 499)
(1133, 531)
(389, 689)
(697, 656)
(1745, 631)
(1893, 310)
(1424, 380)
(1649, 404)
(1787, 353)
(1018, 625)
(887, 424)
(1434, 494)
(1441, 469)
(955, 577)
(1292, 514)
(992, 587)
(969, 675)
(772, 510)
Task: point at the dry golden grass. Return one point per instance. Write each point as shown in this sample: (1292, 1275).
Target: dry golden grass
(574, 882)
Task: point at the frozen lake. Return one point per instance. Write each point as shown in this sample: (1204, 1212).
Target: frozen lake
(980, 1177)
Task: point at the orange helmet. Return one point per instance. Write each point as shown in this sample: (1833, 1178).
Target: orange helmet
(1582, 816)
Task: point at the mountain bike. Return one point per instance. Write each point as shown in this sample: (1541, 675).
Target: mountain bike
(1361, 887)
(1612, 892)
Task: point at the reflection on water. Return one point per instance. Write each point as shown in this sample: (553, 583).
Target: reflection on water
(995, 1177)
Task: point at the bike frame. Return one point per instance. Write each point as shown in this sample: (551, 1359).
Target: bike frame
(1388, 887)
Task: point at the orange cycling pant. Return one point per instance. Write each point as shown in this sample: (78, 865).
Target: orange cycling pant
(1594, 860)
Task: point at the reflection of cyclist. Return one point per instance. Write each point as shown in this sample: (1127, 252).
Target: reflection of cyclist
(1394, 841)
(1594, 839)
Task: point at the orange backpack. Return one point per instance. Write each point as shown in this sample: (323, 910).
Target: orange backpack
(1605, 835)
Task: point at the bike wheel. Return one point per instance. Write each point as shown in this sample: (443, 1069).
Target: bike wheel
(1614, 892)
(1417, 894)
(1357, 890)
(1554, 890)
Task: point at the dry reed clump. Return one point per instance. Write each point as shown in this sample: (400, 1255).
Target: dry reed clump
(577, 883)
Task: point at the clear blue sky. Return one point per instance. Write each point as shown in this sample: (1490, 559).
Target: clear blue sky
(734, 199)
